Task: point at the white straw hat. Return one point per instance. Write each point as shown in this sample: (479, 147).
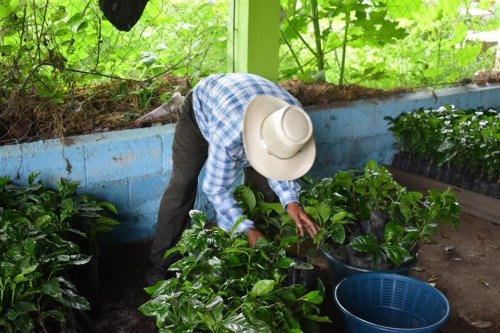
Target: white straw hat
(277, 138)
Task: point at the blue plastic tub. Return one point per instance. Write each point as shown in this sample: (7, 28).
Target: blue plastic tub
(387, 302)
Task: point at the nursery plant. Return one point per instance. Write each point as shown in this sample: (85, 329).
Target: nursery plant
(40, 229)
(366, 218)
(223, 285)
(457, 146)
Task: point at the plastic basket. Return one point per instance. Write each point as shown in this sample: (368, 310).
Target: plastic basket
(387, 302)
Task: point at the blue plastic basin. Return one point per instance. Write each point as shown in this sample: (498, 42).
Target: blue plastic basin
(387, 302)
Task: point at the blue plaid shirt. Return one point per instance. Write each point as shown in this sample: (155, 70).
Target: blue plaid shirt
(219, 102)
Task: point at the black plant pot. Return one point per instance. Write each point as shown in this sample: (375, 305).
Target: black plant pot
(396, 161)
(467, 182)
(414, 164)
(421, 166)
(455, 177)
(406, 162)
(432, 171)
(86, 279)
(476, 185)
(483, 186)
(494, 190)
(443, 175)
(304, 274)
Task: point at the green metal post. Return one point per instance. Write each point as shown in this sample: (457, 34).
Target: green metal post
(253, 43)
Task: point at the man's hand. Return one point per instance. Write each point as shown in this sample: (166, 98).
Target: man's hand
(253, 236)
(302, 220)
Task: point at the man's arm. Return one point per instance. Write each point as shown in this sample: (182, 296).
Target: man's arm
(219, 181)
(287, 192)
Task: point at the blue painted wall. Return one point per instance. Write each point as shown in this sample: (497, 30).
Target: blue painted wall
(131, 168)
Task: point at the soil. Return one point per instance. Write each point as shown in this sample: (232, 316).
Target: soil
(26, 117)
(463, 263)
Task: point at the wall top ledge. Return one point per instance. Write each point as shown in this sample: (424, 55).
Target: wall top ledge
(416, 95)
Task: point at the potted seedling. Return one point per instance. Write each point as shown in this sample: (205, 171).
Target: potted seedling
(451, 145)
(370, 222)
(223, 285)
(367, 220)
(38, 247)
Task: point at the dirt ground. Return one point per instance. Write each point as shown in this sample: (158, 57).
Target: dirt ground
(463, 263)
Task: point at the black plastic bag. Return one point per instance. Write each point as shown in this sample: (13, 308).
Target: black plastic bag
(123, 14)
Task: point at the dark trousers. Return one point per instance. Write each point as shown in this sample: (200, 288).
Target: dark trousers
(189, 153)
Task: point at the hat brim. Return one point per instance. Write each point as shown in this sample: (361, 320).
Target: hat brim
(260, 159)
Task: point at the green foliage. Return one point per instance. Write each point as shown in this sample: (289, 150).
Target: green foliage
(37, 228)
(341, 204)
(466, 140)
(45, 46)
(223, 285)
(383, 44)
(337, 24)
(404, 217)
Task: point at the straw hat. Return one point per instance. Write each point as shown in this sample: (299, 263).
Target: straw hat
(277, 138)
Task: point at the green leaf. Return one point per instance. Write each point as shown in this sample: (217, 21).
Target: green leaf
(216, 307)
(393, 231)
(21, 277)
(239, 323)
(52, 289)
(314, 297)
(32, 176)
(108, 206)
(340, 217)
(338, 233)
(366, 243)
(396, 253)
(246, 197)
(319, 319)
(263, 287)
(24, 324)
(23, 307)
(56, 314)
(74, 301)
(324, 211)
(44, 220)
(74, 259)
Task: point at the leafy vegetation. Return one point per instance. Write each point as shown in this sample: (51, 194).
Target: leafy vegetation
(47, 45)
(366, 217)
(40, 230)
(464, 140)
(383, 44)
(50, 47)
(223, 285)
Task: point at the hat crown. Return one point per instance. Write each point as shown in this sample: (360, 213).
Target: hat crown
(285, 131)
(296, 125)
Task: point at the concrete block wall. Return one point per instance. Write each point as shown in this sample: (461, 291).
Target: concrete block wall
(128, 168)
(131, 168)
(349, 134)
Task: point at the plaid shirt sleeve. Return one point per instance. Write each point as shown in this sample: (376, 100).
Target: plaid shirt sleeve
(287, 191)
(219, 183)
